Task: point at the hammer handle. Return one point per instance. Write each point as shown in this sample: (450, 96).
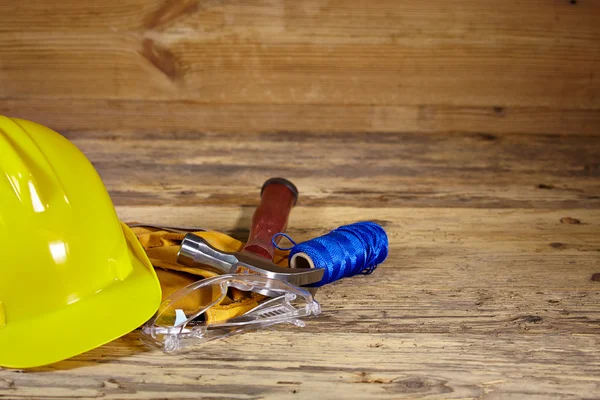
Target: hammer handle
(278, 197)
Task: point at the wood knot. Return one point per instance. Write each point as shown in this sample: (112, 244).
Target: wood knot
(596, 277)
(162, 58)
(569, 220)
(544, 186)
(558, 246)
(418, 384)
(414, 383)
(499, 110)
(488, 137)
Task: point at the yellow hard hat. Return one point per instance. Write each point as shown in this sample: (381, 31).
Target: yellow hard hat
(72, 277)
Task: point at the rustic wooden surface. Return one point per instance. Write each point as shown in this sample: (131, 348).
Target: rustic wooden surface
(469, 129)
(534, 53)
(488, 291)
(312, 65)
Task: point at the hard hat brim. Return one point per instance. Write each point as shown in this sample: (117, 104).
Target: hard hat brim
(89, 323)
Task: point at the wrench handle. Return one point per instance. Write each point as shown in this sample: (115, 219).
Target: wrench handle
(278, 197)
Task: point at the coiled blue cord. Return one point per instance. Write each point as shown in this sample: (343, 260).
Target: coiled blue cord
(346, 251)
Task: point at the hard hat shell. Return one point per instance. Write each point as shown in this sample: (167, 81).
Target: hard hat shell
(72, 277)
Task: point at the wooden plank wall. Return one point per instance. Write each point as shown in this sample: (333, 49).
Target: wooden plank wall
(439, 66)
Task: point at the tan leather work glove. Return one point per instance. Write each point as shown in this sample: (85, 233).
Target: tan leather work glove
(162, 246)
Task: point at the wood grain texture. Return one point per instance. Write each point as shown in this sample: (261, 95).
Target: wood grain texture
(126, 67)
(473, 301)
(540, 53)
(96, 116)
(376, 170)
(358, 366)
(468, 129)
(471, 304)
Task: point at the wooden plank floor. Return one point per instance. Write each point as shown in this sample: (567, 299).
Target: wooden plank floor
(489, 290)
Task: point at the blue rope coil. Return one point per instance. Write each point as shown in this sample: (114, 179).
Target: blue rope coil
(346, 251)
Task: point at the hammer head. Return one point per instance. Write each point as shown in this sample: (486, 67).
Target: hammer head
(195, 250)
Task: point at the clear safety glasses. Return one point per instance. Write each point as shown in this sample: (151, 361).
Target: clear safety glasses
(181, 319)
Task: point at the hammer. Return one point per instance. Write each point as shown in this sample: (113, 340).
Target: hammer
(278, 197)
